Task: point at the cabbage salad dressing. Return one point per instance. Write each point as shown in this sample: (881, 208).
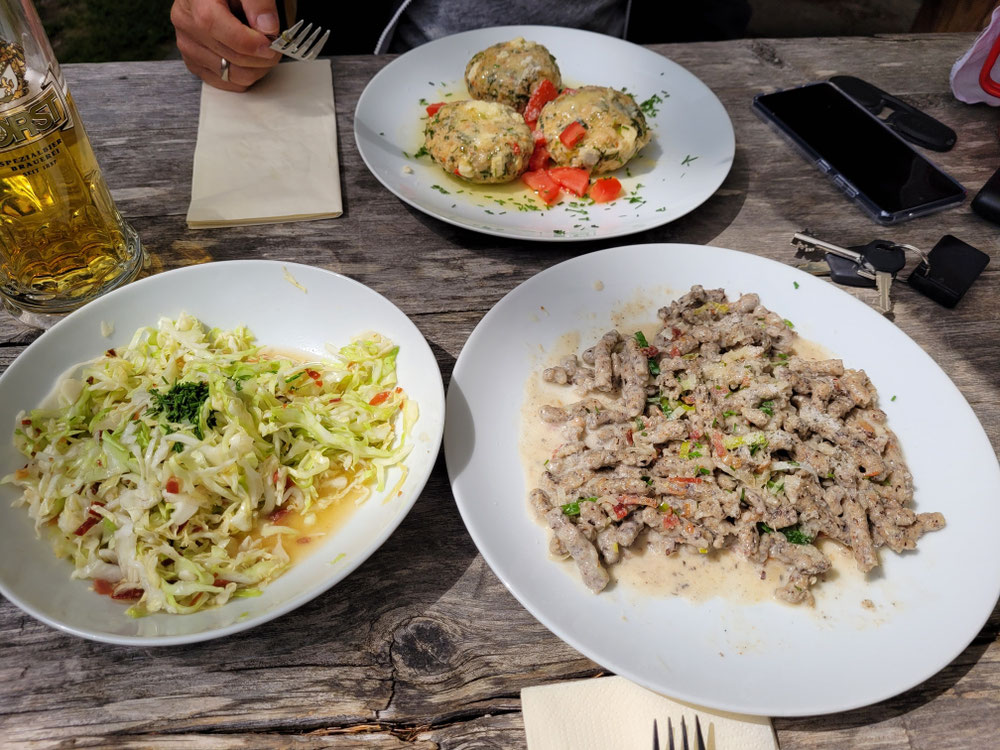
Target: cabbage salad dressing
(316, 523)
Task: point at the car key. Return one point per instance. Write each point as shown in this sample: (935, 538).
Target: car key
(856, 267)
(886, 259)
(807, 246)
(845, 265)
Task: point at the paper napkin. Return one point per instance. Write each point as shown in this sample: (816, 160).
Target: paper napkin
(611, 713)
(268, 155)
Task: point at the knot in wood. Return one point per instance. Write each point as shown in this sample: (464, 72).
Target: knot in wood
(424, 646)
(766, 53)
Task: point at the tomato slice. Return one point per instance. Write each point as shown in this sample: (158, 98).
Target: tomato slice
(574, 179)
(572, 134)
(539, 157)
(543, 93)
(605, 189)
(544, 186)
(433, 108)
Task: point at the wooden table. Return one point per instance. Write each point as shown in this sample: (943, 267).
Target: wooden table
(422, 646)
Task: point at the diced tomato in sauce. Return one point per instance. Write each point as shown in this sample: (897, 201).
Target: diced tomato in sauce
(543, 93)
(539, 157)
(720, 448)
(605, 189)
(574, 179)
(572, 134)
(433, 108)
(544, 186)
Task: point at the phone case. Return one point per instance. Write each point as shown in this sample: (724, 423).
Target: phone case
(874, 211)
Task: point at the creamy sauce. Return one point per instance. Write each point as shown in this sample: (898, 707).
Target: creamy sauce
(687, 573)
(811, 350)
(698, 577)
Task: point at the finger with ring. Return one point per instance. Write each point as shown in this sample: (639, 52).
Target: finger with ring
(224, 69)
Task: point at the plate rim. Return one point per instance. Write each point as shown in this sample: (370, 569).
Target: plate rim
(974, 624)
(525, 30)
(341, 572)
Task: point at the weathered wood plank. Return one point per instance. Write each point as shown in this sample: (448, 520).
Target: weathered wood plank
(436, 658)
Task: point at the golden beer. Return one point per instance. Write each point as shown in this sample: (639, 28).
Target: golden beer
(62, 241)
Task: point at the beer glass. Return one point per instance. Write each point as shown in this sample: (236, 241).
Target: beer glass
(62, 241)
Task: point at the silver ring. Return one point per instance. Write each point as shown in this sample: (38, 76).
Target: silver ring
(224, 69)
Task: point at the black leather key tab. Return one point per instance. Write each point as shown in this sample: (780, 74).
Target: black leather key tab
(911, 123)
(987, 201)
(954, 266)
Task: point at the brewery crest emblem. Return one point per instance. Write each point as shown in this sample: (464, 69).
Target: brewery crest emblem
(13, 84)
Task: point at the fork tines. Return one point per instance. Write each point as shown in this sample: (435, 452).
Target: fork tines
(685, 745)
(299, 43)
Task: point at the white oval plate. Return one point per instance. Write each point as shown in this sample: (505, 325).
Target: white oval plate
(767, 658)
(679, 169)
(262, 295)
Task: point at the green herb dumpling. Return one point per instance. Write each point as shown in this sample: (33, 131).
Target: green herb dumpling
(507, 72)
(594, 127)
(483, 142)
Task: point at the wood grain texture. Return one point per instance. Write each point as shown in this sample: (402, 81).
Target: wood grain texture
(436, 658)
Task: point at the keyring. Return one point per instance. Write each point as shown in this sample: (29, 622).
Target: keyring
(224, 69)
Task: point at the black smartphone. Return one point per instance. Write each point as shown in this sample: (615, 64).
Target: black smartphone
(871, 164)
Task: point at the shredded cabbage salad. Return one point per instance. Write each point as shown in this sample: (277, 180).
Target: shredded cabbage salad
(165, 469)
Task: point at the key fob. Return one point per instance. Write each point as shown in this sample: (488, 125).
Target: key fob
(885, 256)
(987, 201)
(845, 271)
(954, 266)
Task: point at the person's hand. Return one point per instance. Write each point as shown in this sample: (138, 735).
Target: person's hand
(208, 32)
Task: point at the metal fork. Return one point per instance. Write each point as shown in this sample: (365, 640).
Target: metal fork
(300, 44)
(699, 738)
